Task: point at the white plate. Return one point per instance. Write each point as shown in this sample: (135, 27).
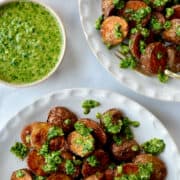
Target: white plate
(72, 98)
(90, 10)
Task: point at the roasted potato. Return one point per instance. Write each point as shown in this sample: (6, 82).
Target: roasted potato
(125, 151)
(36, 162)
(159, 167)
(102, 159)
(62, 117)
(59, 176)
(22, 174)
(171, 33)
(114, 30)
(97, 176)
(58, 143)
(98, 131)
(107, 7)
(176, 14)
(81, 145)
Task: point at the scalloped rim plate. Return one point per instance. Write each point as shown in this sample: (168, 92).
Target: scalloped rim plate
(147, 86)
(72, 98)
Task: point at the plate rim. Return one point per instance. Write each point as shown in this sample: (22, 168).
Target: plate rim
(4, 132)
(175, 95)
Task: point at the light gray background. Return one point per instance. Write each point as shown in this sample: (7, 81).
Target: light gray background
(81, 69)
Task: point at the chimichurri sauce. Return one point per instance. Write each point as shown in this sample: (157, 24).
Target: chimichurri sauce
(30, 42)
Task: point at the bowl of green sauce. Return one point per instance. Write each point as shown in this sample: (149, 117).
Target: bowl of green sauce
(32, 42)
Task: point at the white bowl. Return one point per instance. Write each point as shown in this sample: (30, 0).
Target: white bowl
(61, 55)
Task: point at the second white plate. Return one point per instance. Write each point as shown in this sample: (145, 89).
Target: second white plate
(89, 11)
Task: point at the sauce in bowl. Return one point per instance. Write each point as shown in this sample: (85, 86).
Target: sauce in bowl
(31, 42)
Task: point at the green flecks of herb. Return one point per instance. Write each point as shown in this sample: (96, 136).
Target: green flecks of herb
(154, 146)
(112, 166)
(67, 122)
(20, 173)
(119, 169)
(134, 30)
(163, 77)
(128, 122)
(119, 4)
(142, 46)
(178, 47)
(155, 24)
(99, 22)
(82, 129)
(128, 133)
(178, 30)
(117, 31)
(117, 140)
(147, 1)
(108, 45)
(111, 127)
(19, 150)
(135, 148)
(89, 104)
(158, 3)
(159, 55)
(98, 115)
(128, 62)
(88, 146)
(54, 132)
(39, 178)
(144, 31)
(28, 139)
(52, 160)
(124, 49)
(92, 161)
(167, 25)
(44, 149)
(169, 12)
(77, 162)
(69, 167)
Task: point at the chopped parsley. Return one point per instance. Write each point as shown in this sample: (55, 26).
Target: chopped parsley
(89, 104)
(117, 31)
(54, 132)
(169, 12)
(69, 167)
(82, 129)
(155, 24)
(154, 146)
(117, 140)
(39, 178)
(158, 3)
(142, 46)
(99, 22)
(92, 161)
(124, 49)
(19, 150)
(128, 62)
(163, 77)
(159, 55)
(44, 149)
(135, 148)
(67, 122)
(119, 4)
(167, 25)
(178, 30)
(20, 173)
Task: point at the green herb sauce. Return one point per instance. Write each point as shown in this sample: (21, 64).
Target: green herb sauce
(92, 161)
(20, 173)
(30, 42)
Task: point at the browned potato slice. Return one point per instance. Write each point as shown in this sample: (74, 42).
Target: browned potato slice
(159, 167)
(97, 176)
(160, 19)
(59, 176)
(107, 7)
(80, 145)
(125, 151)
(173, 59)
(135, 5)
(98, 131)
(22, 174)
(62, 117)
(170, 34)
(176, 14)
(26, 134)
(108, 30)
(154, 59)
(102, 160)
(39, 134)
(58, 143)
(36, 162)
(109, 174)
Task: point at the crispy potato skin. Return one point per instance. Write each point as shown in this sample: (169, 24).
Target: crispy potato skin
(176, 14)
(58, 115)
(59, 176)
(107, 7)
(160, 170)
(173, 59)
(35, 163)
(170, 34)
(108, 30)
(98, 131)
(109, 174)
(74, 148)
(27, 175)
(149, 62)
(130, 168)
(39, 134)
(124, 151)
(103, 159)
(97, 176)
(58, 143)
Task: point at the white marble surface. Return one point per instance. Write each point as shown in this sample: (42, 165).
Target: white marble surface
(81, 69)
